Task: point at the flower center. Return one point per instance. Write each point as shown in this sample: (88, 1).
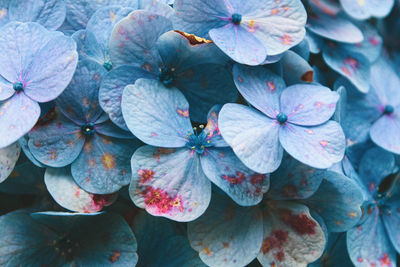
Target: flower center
(236, 18)
(88, 129)
(18, 86)
(167, 76)
(389, 109)
(282, 118)
(108, 65)
(198, 142)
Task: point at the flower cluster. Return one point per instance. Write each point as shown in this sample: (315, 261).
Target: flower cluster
(199, 132)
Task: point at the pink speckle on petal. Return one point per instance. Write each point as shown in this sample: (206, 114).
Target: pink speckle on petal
(286, 39)
(183, 112)
(323, 143)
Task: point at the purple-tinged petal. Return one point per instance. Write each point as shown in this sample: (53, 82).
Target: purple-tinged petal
(51, 70)
(198, 17)
(227, 234)
(260, 87)
(385, 132)
(307, 104)
(133, 39)
(69, 195)
(103, 166)
(56, 143)
(337, 28)
(50, 13)
(6, 89)
(112, 87)
(294, 180)
(277, 25)
(8, 158)
(318, 146)
(239, 44)
(156, 115)
(103, 21)
(80, 101)
(354, 66)
(169, 182)
(291, 236)
(252, 136)
(224, 169)
(368, 243)
(212, 130)
(19, 44)
(18, 115)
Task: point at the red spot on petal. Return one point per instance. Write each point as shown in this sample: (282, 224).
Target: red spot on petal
(270, 86)
(323, 143)
(162, 151)
(183, 112)
(286, 39)
(300, 223)
(275, 241)
(115, 256)
(161, 201)
(145, 175)
(346, 70)
(359, 259)
(235, 179)
(289, 191)
(385, 260)
(108, 161)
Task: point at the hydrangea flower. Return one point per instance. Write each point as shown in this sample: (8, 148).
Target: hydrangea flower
(248, 31)
(295, 119)
(64, 239)
(79, 12)
(64, 190)
(36, 66)
(375, 114)
(283, 230)
(140, 48)
(152, 234)
(352, 61)
(8, 159)
(365, 9)
(50, 13)
(376, 239)
(171, 177)
(83, 136)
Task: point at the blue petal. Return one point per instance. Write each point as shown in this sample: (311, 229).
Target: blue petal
(227, 235)
(252, 136)
(112, 87)
(156, 115)
(338, 200)
(103, 165)
(170, 183)
(51, 13)
(291, 236)
(294, 180)
(69, 195)
(225, 170)
(369, 244)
